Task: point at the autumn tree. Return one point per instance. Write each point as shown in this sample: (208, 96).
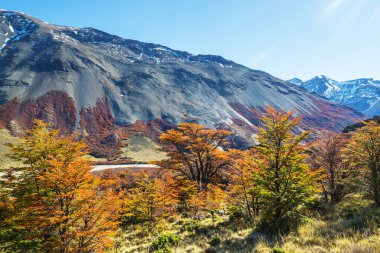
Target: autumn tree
(195, 153)
(55, 204)
(284, 179)
(151, 200)
(364, 151)
(243, 195)
(327, 156)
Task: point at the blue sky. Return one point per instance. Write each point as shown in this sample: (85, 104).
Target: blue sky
(287, 38)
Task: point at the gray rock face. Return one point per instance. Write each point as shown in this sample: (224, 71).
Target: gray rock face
(142, 81)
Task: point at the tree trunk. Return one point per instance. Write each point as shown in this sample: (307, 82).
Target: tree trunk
(375, 185)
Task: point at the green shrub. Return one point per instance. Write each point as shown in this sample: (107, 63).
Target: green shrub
(194, 226)
(163, 243)
(236, 214)
(278, 250)
(215, 241)
(352, 207)
(284, 225)
(142, 234)
(374, 217)
(165, 250)
(211, 250)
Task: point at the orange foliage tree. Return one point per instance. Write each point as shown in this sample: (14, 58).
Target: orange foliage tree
(195, 153)
(151, 200)
(243, 195)
(326, 154)
(56, 206)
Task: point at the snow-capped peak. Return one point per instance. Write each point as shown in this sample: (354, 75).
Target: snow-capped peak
(361, 94)
(13, 27)
(295, 81)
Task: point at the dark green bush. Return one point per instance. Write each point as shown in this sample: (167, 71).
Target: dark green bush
(282, 225)
(211, 250)
(236, 214)
(194, 226)
(142, 234)
(215, 241)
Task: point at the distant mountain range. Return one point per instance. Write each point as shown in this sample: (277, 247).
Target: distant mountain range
(83, 79)
(361, 94)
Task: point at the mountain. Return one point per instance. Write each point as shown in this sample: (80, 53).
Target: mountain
(106, 86)
(361, 94)
(295, 81)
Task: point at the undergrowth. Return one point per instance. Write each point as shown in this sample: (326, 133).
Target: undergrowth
(352, 226)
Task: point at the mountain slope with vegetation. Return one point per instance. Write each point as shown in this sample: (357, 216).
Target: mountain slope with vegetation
(103, 85)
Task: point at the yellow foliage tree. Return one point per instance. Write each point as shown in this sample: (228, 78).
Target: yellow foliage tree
(364, 152)
(284, 179)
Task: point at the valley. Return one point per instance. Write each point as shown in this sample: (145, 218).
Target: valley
(109, 144)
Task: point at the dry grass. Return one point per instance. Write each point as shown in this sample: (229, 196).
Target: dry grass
(94, 159)
(142, 149)
(358, 233)
(5, 162)
(6, 137)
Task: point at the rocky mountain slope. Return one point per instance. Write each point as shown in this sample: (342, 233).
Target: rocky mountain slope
(106, 86)
(361, 94)
(354, 127)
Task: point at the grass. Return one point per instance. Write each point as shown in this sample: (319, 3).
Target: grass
(6, 137)
(338, 230)
(94, 159)
(142, 149)
(139, 149)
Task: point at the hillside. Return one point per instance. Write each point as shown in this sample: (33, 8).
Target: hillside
(106, 86)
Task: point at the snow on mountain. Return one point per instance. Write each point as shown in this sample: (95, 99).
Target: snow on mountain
(296, 81)
(13, 27)
(361, 94)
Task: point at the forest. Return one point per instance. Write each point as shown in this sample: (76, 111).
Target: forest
(295, 191)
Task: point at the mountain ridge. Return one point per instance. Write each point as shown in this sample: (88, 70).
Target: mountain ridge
(362, 94)
(106, 86)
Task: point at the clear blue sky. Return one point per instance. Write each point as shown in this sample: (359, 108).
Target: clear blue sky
(287, 38)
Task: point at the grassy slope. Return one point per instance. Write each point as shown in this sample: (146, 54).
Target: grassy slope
(351, 227)
(139, 149)
(6, 137)
(142, 149)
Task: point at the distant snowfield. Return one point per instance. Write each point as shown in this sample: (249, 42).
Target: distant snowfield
(124, 167)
